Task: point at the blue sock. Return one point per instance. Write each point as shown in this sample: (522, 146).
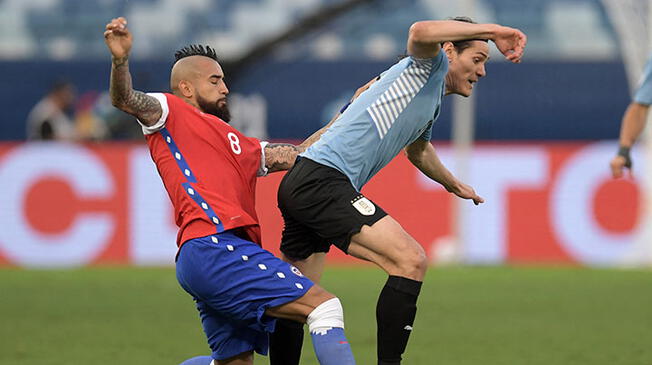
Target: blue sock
(332, 348)
(199, 360)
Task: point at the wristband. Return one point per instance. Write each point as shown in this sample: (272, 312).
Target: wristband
(623, 151)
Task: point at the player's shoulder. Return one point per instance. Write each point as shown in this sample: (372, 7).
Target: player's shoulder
(174, 101)
(169, 102)
(420, 65)
(429, 62)
(170, 99)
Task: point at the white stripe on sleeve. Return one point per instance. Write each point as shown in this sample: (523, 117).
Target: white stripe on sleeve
(160, 124)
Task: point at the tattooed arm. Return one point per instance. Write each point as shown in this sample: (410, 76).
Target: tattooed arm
(281, 156)
(144, 107)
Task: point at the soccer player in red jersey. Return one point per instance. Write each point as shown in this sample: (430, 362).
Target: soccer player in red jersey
(209, 170)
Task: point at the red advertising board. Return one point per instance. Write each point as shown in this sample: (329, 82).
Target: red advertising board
(70, 205)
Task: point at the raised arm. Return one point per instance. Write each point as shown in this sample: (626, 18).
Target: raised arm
(425, 37)
(142, 106)
(422, 154)
(281, 156)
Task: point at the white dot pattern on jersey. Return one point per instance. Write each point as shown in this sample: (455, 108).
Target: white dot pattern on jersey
(186, 171)
(260, 266)
(214, 239)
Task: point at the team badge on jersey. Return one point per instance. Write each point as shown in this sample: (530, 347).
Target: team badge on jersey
(296, 271)
(363, 205)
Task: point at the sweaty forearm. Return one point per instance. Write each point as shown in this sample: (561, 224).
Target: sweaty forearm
(633, 124)
(426, 160)
(436, 171)
(438, 31)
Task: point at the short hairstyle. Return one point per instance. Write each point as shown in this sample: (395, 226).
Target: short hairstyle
(59, 85)
(195, 50)
(462, 45)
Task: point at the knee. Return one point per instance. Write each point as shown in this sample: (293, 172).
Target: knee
(325, 316)
(413, 263)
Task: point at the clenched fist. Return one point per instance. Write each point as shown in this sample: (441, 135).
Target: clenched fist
(118, 38)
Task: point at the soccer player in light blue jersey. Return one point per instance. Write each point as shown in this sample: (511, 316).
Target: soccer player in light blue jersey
(320, 196)
(633, 122)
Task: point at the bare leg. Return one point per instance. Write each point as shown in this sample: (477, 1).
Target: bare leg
(312, 267)
(386, 244)
(298, 310)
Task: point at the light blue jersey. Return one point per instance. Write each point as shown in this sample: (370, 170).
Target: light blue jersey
(644, 93)
(391, 114)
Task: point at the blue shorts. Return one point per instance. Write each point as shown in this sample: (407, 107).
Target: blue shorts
(233, 282)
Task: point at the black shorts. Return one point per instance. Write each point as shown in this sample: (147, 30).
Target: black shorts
(321, 207)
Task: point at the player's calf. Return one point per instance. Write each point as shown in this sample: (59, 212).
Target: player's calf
(285, 342)
(395, 313)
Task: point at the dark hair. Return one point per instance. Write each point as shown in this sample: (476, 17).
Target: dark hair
(59, 85)
(462, 45)
(195, 50)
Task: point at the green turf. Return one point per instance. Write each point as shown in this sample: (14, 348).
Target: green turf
(466, 316)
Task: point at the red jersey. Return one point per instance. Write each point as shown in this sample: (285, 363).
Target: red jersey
(209, 170)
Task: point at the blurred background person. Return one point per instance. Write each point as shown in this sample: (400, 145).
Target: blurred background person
(50, 118)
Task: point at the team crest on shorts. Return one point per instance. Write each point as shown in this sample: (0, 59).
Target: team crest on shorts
(296, 271)
(363, 205)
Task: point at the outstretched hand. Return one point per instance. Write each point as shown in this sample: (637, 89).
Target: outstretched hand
(118, 38)
(465, 191)
(510, 42)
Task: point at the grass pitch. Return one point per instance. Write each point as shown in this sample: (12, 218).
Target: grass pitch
(486, 315)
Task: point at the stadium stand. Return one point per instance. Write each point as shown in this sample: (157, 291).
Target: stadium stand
(571, 46)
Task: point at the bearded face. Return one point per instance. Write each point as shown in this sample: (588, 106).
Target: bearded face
(218, 108)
